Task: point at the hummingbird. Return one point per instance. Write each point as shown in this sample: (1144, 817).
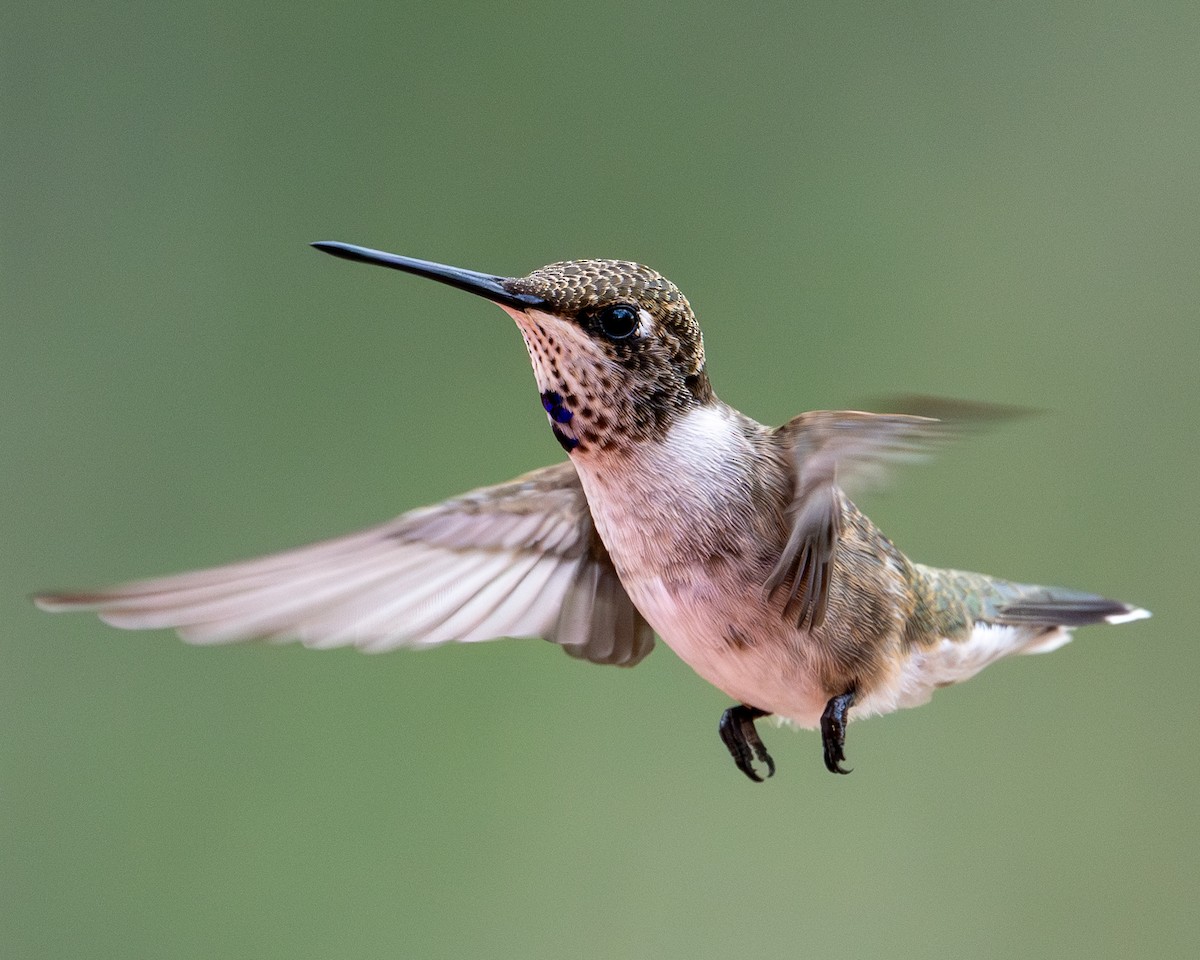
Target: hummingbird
(674, 514)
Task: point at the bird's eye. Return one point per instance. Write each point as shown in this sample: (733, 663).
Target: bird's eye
(618, 321)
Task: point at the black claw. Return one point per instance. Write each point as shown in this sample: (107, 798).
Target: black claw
(833, 731)
(742, 741)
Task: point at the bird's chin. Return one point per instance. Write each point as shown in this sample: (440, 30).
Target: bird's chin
(562, 355)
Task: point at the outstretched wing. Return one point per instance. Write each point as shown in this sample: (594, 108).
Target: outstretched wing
(831, 449)
(521, 559)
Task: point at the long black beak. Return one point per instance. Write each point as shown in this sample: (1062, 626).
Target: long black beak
(482, 284)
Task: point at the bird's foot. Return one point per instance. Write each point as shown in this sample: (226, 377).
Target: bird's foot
(742, 740)
(833, 731)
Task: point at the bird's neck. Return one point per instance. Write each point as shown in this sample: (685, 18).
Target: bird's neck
(598, 416)
(599, 404)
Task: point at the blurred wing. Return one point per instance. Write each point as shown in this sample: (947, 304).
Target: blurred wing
(521, 559)
(831, 449)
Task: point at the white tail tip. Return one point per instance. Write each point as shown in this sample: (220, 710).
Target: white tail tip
(1136, 614)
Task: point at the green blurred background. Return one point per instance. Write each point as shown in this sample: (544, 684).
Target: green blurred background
(992, 201)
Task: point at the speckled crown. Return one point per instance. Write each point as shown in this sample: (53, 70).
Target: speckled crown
(574, 287)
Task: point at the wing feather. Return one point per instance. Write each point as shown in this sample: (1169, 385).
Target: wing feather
(835, 449)
(519, 559)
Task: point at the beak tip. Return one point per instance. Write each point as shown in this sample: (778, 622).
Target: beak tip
(334, 247)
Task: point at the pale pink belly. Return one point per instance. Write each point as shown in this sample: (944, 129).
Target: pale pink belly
(738, 645)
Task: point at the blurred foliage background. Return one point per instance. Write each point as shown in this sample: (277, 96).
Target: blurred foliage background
(992, 201)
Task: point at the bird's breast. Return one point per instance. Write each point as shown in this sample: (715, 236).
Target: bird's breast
(704, 494)
(693, 524)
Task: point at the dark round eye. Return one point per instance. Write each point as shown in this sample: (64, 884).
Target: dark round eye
(617, 321)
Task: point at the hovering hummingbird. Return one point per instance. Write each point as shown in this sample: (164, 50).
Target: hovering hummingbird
(675, 514)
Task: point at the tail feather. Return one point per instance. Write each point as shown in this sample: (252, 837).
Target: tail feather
(955, 598)
(1065, 608)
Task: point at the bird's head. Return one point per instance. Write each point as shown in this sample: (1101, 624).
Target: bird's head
(616, 349)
